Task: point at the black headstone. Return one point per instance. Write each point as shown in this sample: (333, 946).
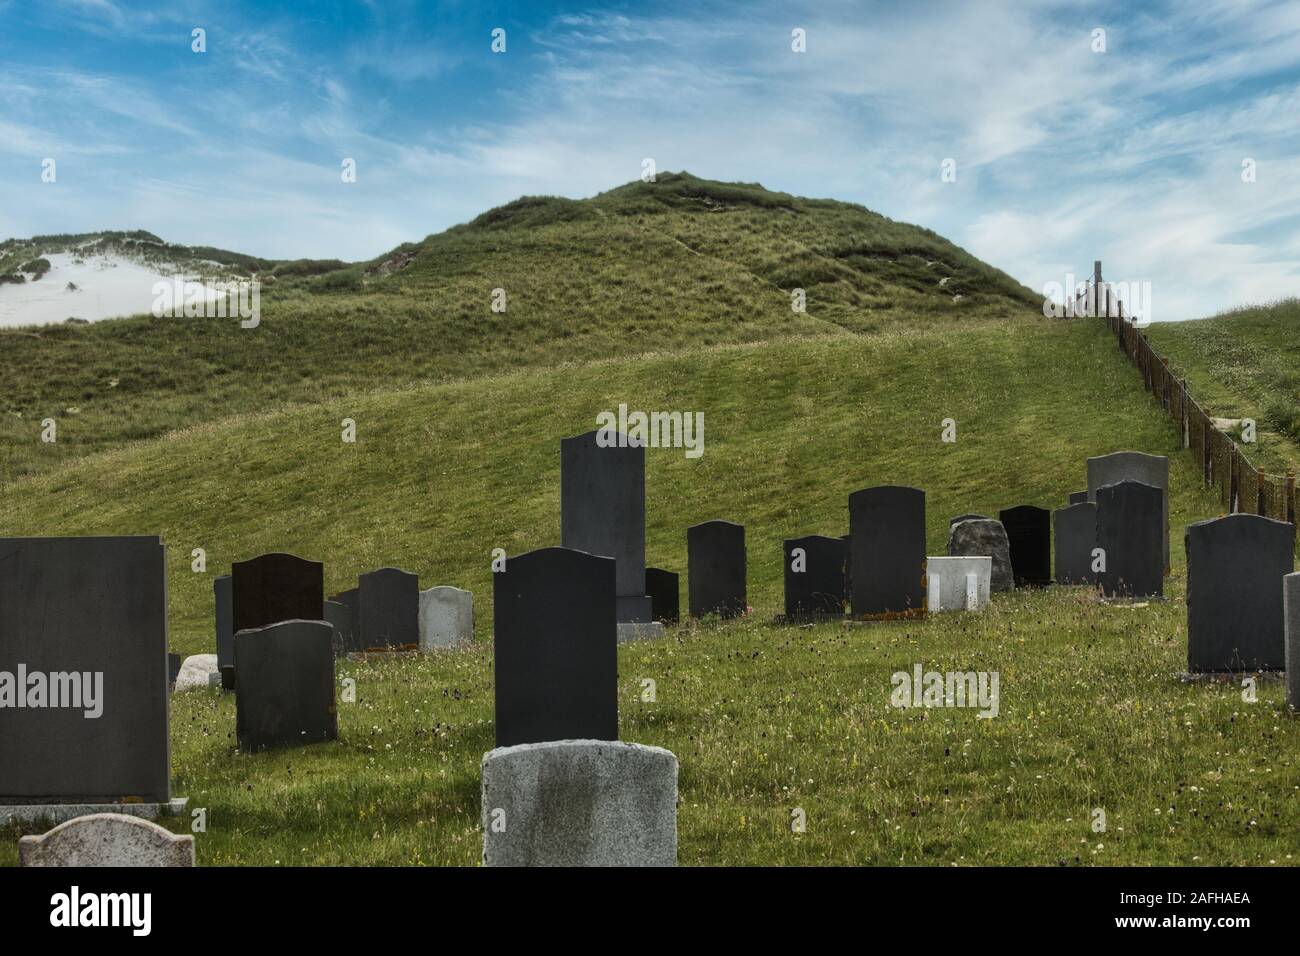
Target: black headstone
(389, 608)
(225, 618)
(715, 569)
(665, 595)
(284, 694)
(343, 620)
(1078, 497)
(555, 640)
(276, 587)
(1076, 537)
(1235, 566)
(602, 511)
(1131, 532)
(814, 578)
(887, 548)
(1029, 532)
(83, 642)
(173, 668)
(1133, 466)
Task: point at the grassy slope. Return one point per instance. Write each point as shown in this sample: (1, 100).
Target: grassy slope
(1245, 364)
(763, 719)
(671, 265)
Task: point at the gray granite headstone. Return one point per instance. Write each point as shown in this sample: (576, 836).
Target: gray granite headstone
(602, 511)
(1291, 624)
(225, 619)
(977, 536)
(716, 569)
(83, 643)
(1075, 531)
(1130, 530)
(814, 578)
(1133, 466)
(347, 620)
(887, 552)
(1078, 497)
(579, 803)
(446, 618)
(389, 602)
(1235, 566)
(284, 695)
(555, 641)
(664, 589)
(107, 839)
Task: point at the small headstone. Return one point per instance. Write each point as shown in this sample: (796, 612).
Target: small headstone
(579, 803)
(389, 601)
(716, 574)
(198, 672)
(887, 545)
(107, 839)
(284, 692)
(1133, 466)
(984, 536)
(1130, 530)
(446, 618)
(814, 577)
(1076, 538)
(276, 587)
(1078, 497)
(225, 618)
(555, 641)
(664, 589)
(958, 583)
(1235, 566)
(1291, 624)
(602, 511)
(1029, 532)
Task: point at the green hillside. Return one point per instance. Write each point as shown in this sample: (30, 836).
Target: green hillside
(1245, 364)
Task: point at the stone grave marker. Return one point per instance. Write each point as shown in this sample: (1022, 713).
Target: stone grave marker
(284, 695)
(1130, 530)
(887, 552)
(1076, 537)
(958, 583)
(1029, 533)
(814, 577)
(1133, 466)
(715, 572)
(222, 598)
(984, 536)
(1078, 497)
(106, 839)
(276, 587)
(446, 618)
(664, 589)
(389, 609)
(1291, 625)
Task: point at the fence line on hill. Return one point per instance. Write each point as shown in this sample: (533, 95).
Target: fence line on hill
(1242, 487)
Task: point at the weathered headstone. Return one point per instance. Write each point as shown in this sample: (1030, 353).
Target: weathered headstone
(198, 672)
(715, 571)
(222, 598)
(284, 694)
(664, 589)
(446, 618)
(1291, 625)
(1235, 566)
(1133, 466)
(957, 583)
(107, 839)
(389, 601)
(1130, 532)
(887, 548)
(1076, 538)
(276, 587)
(1029, 532)
(984, 536)
(579, 803)
(556, 647)
(1078, 497)
(814, 576)
(342, 619)
(83, 671)
(602, 511)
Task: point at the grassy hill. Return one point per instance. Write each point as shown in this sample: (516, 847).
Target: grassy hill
(1245, 364)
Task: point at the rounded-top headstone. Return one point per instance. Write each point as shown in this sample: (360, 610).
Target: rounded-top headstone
(107, 839)
(276, 587)
(978, 536)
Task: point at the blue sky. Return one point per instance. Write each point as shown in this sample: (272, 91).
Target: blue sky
(1062, 154)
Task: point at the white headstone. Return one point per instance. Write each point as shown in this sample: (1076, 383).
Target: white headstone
(107, 839)
(446, 618)
(958, 583)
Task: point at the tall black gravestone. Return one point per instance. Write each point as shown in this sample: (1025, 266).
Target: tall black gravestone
(602, 511)
(887, 551)
(814, 576)
(1131, 532)
(1235, 567)
(1029, 532)
(1134, 466)
(389, 608)
(83, 645)
(664, 589)
(285, 691)
(222, 592)
(555, 638)
(715, 572)
(276, 587)
(1076, 538)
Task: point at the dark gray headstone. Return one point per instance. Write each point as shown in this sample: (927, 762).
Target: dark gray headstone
(1130, 530)
(664, 590)
(967, 517)
(1076, 537)
(173, 668)
(887, 547)
(1133, 466)
(343, 620)
(715, 569)
(225, 618)
(389, 608)
(814, 582)
(92, 612)
(284, 695)
(1029, 532)
(602, 511)
(555, 640)
(984, 536)
(1291, 624)
(276, 587)
(1078, 497)
(1235, 566)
